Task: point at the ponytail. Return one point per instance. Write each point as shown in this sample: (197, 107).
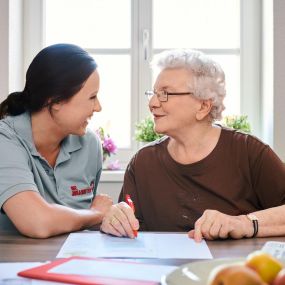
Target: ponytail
(15, 104)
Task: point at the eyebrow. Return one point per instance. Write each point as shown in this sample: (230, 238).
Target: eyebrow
(94, 93)
(163, 87)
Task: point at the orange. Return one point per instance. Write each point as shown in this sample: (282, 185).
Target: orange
(264, 264)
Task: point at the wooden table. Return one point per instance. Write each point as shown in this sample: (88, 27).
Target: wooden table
(17, 248)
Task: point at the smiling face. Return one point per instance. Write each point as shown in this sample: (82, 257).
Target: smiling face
(180, 111)
(72, 116)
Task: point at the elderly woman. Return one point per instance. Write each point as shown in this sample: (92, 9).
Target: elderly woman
(203, 178)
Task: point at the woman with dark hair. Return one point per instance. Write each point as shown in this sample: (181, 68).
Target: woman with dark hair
(49, 164)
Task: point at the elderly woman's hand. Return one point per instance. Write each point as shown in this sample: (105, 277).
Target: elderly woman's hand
(120, 221)
(214, 225)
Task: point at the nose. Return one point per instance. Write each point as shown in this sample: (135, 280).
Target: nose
(154, 102)
(97, 106)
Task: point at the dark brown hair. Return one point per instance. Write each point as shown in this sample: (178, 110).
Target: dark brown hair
(55, 74)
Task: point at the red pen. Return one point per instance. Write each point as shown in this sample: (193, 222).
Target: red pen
(130, 202)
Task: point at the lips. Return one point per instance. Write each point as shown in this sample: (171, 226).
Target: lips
(157, 116)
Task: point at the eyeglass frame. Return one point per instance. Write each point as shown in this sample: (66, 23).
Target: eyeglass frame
(151, 93)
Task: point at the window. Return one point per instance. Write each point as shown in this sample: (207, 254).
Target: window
(97, 26)
(123, 35)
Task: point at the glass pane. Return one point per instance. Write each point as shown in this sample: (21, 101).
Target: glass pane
(231, 66)
(115, 98)
(196, 23)
(89, 23)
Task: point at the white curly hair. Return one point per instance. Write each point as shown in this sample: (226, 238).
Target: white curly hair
(209, 78)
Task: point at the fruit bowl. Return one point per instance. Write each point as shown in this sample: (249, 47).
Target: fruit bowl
(197, 273)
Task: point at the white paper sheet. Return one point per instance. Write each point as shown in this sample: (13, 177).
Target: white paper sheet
(146, 245)
(9, 271)
(114, 269)
(275, 248)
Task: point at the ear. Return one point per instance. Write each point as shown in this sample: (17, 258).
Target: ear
(55, 106)
(204, 110)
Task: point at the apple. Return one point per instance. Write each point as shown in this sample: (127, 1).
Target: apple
(280, 278)
(234, 274)
(265, 265)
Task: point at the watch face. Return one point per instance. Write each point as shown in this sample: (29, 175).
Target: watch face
(252, 217)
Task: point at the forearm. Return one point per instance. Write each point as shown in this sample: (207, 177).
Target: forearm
(57, 219)
(36, 218)
(271, 222)
(214, 224)
(69, 220)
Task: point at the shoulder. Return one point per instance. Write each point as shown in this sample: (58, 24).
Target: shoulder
(13, 147)
(6, 128)
(243, 142)
(8, 134)
(150, 151)
(152, 146)
(241, 137)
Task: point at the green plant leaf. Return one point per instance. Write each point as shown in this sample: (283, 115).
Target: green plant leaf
(144, 131)
(237, 122)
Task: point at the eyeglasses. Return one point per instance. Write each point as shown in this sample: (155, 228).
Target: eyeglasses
(162, 95)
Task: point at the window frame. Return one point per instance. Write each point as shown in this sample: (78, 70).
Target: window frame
(141, 21)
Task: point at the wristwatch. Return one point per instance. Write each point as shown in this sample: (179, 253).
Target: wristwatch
(254, 220)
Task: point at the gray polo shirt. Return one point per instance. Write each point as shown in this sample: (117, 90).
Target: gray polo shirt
(72, 182)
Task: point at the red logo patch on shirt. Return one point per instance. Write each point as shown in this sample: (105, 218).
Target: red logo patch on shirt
(76, 192)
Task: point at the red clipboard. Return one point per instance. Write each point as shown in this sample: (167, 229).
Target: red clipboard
(42, 272)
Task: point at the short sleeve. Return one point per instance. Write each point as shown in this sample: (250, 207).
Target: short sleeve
(268, 175)
(15, 173)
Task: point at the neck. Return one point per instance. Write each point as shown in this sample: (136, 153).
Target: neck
(194, 144)
(47, 135)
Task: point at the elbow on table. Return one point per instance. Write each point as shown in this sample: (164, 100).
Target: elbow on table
(39, 229)
(37, 233)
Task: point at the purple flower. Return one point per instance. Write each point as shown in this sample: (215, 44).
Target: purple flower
(114, 165)
(109, 145)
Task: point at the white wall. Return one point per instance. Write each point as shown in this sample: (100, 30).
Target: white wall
(111, 183)
(279, 78)
(113, 189)
(11, 47)
(16, 51)
(4, 49)
(273, 75)
(267, 79)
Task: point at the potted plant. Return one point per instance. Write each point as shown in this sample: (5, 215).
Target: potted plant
(237, 122)
(144, 131)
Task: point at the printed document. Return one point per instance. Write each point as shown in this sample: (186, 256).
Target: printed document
(146, 245)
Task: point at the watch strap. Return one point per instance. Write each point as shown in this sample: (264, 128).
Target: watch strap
(254, 220)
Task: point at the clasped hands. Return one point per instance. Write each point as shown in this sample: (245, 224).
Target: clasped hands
(121, 221)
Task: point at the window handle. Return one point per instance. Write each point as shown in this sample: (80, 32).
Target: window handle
(146, 44)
